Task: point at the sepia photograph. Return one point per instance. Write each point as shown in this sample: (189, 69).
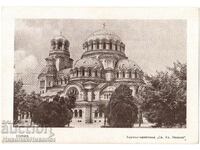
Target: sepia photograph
(100, 73)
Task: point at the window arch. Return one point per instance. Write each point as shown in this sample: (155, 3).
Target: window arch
(95, 114)
(96, 73)
(100, 114)
(77, 73)
(110, 45)
(104, 45)
(60, 44)
(117, 74)
(73, 91)
(22, 115)
(101, 74)
(89, 72)
(75, 113)
(136, 75)
(123, 74)
(97, 44)
(130, 75)
(92, 46)
(83, 71)
(53, 44)
(27, 115)
(80, 113)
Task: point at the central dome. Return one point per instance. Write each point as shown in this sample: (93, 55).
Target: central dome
(88, 63)
(103, 34)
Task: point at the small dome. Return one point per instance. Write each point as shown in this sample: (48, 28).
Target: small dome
(88, 63)
(125, 64)
(103, 34)
(60, 38)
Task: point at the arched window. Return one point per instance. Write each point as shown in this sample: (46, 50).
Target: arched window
(100, 114)
(83, 72)
(61, 81)
(86, 45)
(65, 81)
(22, 115)
(97, 44)
(104, 45)
(80, 113)
(111, 45)
(101, 74)
(90, 72)
(42, 84)
(135, 74)
(53, 44)
(27, 115)
(95, 114)
(59, 44)
(117, 74)
(92, 46)
(96, 74)
(116, 47)
(77, 73)
(75, 113)
(130, 75)
(123, 74)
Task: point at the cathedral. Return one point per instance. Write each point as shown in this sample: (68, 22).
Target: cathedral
(102, 67)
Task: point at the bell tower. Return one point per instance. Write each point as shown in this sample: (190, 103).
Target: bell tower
(60, 52)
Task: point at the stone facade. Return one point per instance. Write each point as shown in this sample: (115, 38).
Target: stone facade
(102, 67)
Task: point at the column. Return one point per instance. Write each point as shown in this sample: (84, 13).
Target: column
(94, 45)
(63, 45)
(133, 74)
(127, 74)
(89, 95)
(100, 45)
(120, 74)
(79, 73)
(107, 45)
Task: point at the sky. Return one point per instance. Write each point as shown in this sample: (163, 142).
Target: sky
(152, 44)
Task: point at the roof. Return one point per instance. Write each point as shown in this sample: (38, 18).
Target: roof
(88, 63)
(64, 72)
(103, 34)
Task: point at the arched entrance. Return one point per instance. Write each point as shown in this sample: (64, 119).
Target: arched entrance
(73, 91)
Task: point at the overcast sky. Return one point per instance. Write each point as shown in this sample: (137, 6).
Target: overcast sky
(152, 44)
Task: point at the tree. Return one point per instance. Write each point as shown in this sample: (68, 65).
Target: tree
(165, 96)
(19, 98)
(57, 113)
(121, 109)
